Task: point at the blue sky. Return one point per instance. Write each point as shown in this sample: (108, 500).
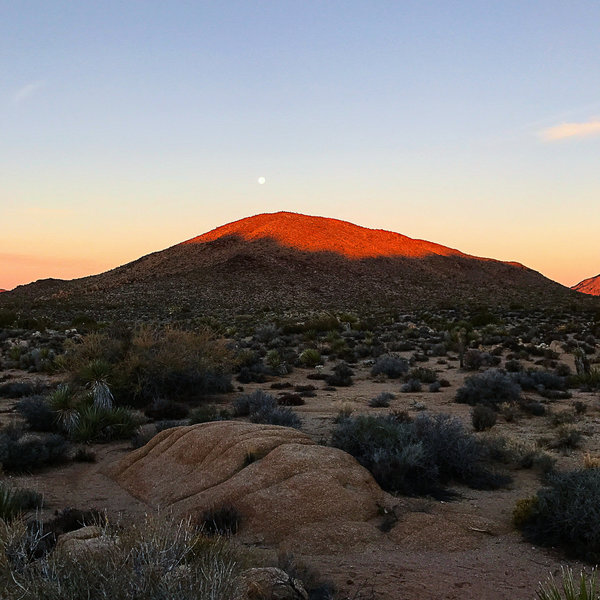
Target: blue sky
(130, 126)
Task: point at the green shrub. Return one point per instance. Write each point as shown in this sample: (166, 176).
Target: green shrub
(566, 514)
(162, 408)
(569, 589)
(423, 375)
(250, 403)
(104, 425)
(310, 358)
(14, 502)
(206, 413)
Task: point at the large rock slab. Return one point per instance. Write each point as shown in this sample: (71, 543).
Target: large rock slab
(283, 484)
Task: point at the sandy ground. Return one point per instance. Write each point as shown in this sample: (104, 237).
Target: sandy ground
(465, 549)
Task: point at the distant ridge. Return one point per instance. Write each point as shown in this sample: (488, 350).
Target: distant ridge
(589, 286)
(286, 263)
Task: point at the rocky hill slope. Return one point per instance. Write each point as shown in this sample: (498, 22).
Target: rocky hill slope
(290, 262)
(589, 286)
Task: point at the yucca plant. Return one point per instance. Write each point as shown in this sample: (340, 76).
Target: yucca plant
(570, 589)
(65, 404)
(96, 375)
(105, 424)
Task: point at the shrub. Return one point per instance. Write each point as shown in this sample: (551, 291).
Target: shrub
(280, 415)
(23, 452)
(435, 387)
(206, 413)
(166, 409)
(381, 400)
(14, 502)
(16, 389)
(65, 405)
(225, 520)
(568, 589)
(391, 366)
(472, 360)
(416, 457)
(483, 417)
(104, 425)
(566, 514)
(341, 377)
(251, 403)
(412, 385)
(84, 455)
(310, 358)
(37, 413)
(161, 558)
(423, 375)
(291, 399)
(491, 388)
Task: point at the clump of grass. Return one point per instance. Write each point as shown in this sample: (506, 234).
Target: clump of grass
(14, 502)
(225, 520)
(162, 558)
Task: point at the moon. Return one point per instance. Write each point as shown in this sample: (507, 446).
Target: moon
(261, 181)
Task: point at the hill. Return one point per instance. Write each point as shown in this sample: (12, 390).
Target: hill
(291, 262)
(589, 286)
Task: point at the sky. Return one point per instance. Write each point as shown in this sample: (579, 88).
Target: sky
(127, 127)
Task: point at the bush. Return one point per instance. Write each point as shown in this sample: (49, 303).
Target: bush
(104, 425)
(161, 558)
(490, 388)
(161, 409)
(204, 414)
(423, 375)
(483, 417)
(391, 366)
(225, 520)
(280, 415)
(565, 514)
(37, 413)
(435, 387)
(310, 358)
(416, 457)
(16, 389)
(291, 399)
(24, 452)
(153, 363)
(341, 377)
(381, 400)
(251, 403)
(14, 502)
(412, 385)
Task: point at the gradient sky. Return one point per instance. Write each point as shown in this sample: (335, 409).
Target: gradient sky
(127, 127)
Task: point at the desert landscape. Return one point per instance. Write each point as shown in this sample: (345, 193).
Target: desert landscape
(299, 300)
(369, 453)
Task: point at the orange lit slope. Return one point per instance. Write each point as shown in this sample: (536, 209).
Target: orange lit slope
(321, 234)
(589, 286)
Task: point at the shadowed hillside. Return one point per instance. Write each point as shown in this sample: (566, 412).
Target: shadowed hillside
(286, 261)
(589, 286)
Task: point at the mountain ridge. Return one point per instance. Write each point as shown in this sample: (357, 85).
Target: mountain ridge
(288, 262)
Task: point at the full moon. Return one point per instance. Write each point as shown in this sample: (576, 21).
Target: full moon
(262, 180)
